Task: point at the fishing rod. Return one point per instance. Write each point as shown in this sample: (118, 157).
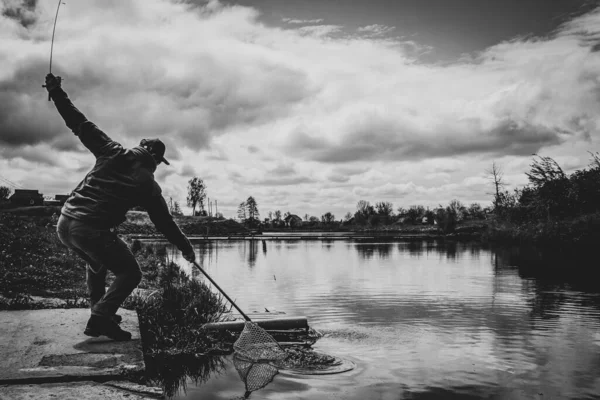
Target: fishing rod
(52, 44)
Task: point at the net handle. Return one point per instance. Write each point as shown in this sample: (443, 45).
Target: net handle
(222, 292)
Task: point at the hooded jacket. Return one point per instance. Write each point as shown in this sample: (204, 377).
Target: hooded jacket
(120, 180)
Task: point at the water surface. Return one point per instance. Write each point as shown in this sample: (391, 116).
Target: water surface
(421, 320)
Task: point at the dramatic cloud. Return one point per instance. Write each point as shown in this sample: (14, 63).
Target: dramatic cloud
(304, 105)
(21, 11)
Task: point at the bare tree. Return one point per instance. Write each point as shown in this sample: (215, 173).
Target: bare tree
(496, 176)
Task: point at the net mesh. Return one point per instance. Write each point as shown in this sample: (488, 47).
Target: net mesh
(256, 345)
(255, 375)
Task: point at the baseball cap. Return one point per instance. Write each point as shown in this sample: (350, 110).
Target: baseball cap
(157, 147)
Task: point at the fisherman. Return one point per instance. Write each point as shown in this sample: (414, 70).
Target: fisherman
(120, 180)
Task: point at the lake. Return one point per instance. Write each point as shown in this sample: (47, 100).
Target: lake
(419, 319)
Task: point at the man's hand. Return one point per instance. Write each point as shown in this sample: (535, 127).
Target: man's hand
(52, 82)
(189, 256)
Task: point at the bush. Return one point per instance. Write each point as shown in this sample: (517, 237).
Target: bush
(447, 219)
(171, 316)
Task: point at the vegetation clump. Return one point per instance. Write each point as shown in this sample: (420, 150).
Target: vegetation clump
(171, 313)
(555, 209)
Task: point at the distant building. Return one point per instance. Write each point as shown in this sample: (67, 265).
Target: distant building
(293, 221)
(62, 198)
(26, 198)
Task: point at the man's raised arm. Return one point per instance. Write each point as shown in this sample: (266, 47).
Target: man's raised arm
(90, 135)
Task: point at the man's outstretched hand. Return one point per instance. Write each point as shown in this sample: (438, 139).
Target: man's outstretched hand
(52, 82)
(189, 256)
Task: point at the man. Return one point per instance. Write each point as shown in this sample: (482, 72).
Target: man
(120, 180)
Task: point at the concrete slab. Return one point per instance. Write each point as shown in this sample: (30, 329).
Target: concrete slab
(49, 346)
(72, 391)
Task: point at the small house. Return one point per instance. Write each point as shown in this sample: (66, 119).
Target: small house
(293, 221)
(26, 198)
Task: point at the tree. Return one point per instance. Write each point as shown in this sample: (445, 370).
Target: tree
(415, 213)
(328, 218)
(4, 193)
(364, 210)
(174, 208)
(270, 215)
(446, 218)
(196, 194)
(252, 209)
(277, 215)
(306, 217)
(475, 211)
(287, 214)
(177, 209)
(242, 211)
(348, 216)
(458, 208)
(552, 187)
(496, 175)
(384, 208)
(544, 170)
(385, 211)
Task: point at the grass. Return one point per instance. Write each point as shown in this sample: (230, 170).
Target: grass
(35, 263)
(171, 306)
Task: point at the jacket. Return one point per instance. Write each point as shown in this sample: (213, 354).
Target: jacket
(120, 180)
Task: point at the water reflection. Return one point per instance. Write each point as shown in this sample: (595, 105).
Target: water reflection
(250, 252)
(174, 373)
(425, 319)
(368, 250)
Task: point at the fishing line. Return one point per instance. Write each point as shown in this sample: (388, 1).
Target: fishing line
(52, 44)
(53, 31)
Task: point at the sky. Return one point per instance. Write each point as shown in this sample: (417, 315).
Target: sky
(308, 106)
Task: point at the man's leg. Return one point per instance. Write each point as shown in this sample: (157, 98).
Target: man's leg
(95, 278)
(106, 249)
(127, 276)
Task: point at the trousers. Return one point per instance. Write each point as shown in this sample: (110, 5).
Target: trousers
(103, 251)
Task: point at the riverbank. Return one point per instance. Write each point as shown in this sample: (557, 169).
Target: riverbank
(138, 222)
(570, 234)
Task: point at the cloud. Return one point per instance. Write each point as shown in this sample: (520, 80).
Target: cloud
(40, 155)
(302, 21)
(147, 84)
(338, 178)
(388, 190)
(375, 30)
(22, 11)
(285, 181)
(319, 30)
(322, 106)
(253, 149)
(282, 170)
(188, 170)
